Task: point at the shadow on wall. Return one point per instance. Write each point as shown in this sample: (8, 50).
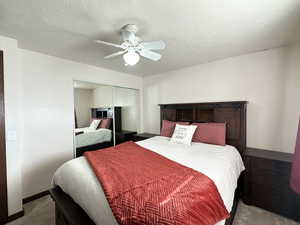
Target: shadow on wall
(41, 173)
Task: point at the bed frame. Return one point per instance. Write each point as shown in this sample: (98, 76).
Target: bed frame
(80, 151)
(233, 113)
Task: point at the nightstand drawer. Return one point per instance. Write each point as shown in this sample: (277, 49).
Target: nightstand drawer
(270, 177)
(123, 136)
(278, 168)
(271, 198)
(137, 138)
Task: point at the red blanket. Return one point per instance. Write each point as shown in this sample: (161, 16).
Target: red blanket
(143, 187)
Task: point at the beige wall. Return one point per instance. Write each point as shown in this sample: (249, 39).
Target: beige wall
(291, 103)
(12, 97)
(48, 112)
(103, 96)
(83, 101)
(129, 100)
(269, 80)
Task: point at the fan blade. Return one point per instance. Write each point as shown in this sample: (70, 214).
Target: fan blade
(115, 54)
(150, 55)
(153, 45)
(128, 36)
(108, 43)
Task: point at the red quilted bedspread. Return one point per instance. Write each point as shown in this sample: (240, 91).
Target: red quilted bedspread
(143, 187)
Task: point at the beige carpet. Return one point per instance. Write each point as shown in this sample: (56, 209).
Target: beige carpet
(41, 212)
(38, 212)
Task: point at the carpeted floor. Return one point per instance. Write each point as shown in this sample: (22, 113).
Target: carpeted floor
(41, 212)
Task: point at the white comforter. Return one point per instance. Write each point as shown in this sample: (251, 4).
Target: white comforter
(222, 164)
(93, 137)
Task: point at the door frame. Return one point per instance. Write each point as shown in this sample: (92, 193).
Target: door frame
(3, 168)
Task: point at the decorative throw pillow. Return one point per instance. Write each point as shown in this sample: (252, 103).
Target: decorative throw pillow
(105, 123)
(95, 124)
(99, 123)
(169, 126)
(183, 134)
(210, 133)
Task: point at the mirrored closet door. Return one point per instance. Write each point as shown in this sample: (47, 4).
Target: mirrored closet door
(104, 116)
(127, 102)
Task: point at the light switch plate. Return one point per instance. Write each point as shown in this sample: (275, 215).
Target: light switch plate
(11, 135)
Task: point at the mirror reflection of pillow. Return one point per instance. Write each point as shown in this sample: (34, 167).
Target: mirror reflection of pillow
(106, 123)
(183, 134)
(94, 124)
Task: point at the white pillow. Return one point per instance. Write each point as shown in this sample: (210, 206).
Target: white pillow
(183, 134)
(94, 124)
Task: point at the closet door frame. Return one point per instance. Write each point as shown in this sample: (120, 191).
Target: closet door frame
(3, 169)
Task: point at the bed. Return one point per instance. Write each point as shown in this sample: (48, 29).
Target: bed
(80, 204)
(87, 139)
(93, 137)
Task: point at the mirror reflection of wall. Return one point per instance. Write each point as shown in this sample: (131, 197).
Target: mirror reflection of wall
(102, 96)
(128, 101)
(104, 116)
(83, 100)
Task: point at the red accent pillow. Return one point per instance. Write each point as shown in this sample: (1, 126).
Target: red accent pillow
(105, 123)
(168, 127)
(210, 133)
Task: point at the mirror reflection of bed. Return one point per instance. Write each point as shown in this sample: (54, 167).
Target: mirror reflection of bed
(99, 134)
(104, 115)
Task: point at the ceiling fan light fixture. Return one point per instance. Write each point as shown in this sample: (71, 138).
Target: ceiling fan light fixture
(131, 58)
(133, 47)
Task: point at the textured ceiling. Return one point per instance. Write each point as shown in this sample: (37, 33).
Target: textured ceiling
(195, 31)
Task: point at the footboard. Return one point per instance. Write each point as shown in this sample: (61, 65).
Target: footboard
(67, 212)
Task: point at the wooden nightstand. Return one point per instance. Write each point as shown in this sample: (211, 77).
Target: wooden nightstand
(143, 136)
(124, 135)
(266, 182)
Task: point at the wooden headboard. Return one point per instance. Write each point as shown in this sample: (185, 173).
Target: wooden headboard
(233, 113)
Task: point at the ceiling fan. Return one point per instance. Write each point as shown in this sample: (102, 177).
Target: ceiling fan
(133, 47)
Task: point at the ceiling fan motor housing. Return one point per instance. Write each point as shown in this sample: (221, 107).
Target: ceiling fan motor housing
(130, 28)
